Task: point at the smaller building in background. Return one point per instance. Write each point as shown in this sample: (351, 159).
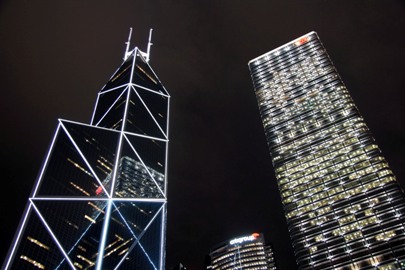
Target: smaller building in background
(244, 252)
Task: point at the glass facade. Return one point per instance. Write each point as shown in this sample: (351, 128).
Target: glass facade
(343, 205)
(245, 252)
(100, 198)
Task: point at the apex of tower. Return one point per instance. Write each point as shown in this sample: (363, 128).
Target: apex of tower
(128, 52)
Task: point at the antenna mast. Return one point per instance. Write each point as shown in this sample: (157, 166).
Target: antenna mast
(149, 45)
(146, 55)
(127, 53)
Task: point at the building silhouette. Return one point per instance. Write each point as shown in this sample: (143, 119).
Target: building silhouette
(343, 205)
(245, 252)
(100, 199)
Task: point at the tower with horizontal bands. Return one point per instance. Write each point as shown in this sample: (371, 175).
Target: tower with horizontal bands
(343, 205)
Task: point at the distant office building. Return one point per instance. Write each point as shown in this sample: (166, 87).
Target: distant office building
(245, 252)
(100, 198)
(344, 207)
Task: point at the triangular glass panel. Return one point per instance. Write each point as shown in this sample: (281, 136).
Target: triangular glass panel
(115, 114)
(151, 151)
(98, 147)
(106, 102)
(37, 248)
(137, 259)
(146, 253)
(145, 77)
(66, 174)
(123, 232)
(137, 214)
(133, 179)
(121, 76)
(157, 105)
(152, 239)
(139, 120)
(77, 225)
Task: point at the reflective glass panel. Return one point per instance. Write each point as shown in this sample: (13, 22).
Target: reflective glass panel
(113, 117)
(121, 76)
(75, 225)
(37, 249)
(145, 77)
(139, 120)
(107, 100)
(157, 105)
(134, 179)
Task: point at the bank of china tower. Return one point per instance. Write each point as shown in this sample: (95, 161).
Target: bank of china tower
(100, 198)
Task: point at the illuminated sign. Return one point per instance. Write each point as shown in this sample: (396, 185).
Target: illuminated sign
(302, 41)
(240, 240)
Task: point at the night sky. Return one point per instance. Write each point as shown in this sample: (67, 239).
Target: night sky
(56, 55)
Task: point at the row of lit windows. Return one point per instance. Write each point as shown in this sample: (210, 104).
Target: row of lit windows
(336, 245)
(330, 179)
(293, 73)
(372, 242)
(328, 137)
(374, 261)
(291, 131)
(270, 101)
(296, 54)
(230, 251)
(322, 127)
(328, 141)
(310, 120)
(226, 258)
(306, 122)
(298, 74)
(321, 88)
(322, 154)
(343, 195)
(317, 219)
(329, 174)
(328, 170)
(371, 235)
(299, 129)
(296, 105)
(239, 258)
(320, 94)
(326, 153)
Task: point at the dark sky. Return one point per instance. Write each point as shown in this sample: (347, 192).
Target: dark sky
(56, 55)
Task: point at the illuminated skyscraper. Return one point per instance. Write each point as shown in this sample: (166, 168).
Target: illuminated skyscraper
(245, 252)
(344, 207)
(100, 198)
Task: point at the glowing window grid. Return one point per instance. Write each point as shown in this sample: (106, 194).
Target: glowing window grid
(343, 205)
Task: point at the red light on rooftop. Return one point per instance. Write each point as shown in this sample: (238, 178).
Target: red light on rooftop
(302, 41)
(255, 235)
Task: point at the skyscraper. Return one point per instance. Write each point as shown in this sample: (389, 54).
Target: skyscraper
(100, 199)
(245, 252)
(343, 205)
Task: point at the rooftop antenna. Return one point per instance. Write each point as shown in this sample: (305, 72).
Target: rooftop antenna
(127, 52)
(149, 44)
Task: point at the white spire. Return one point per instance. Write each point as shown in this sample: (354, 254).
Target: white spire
(127, 52)
(149, 44)
(147, 54)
